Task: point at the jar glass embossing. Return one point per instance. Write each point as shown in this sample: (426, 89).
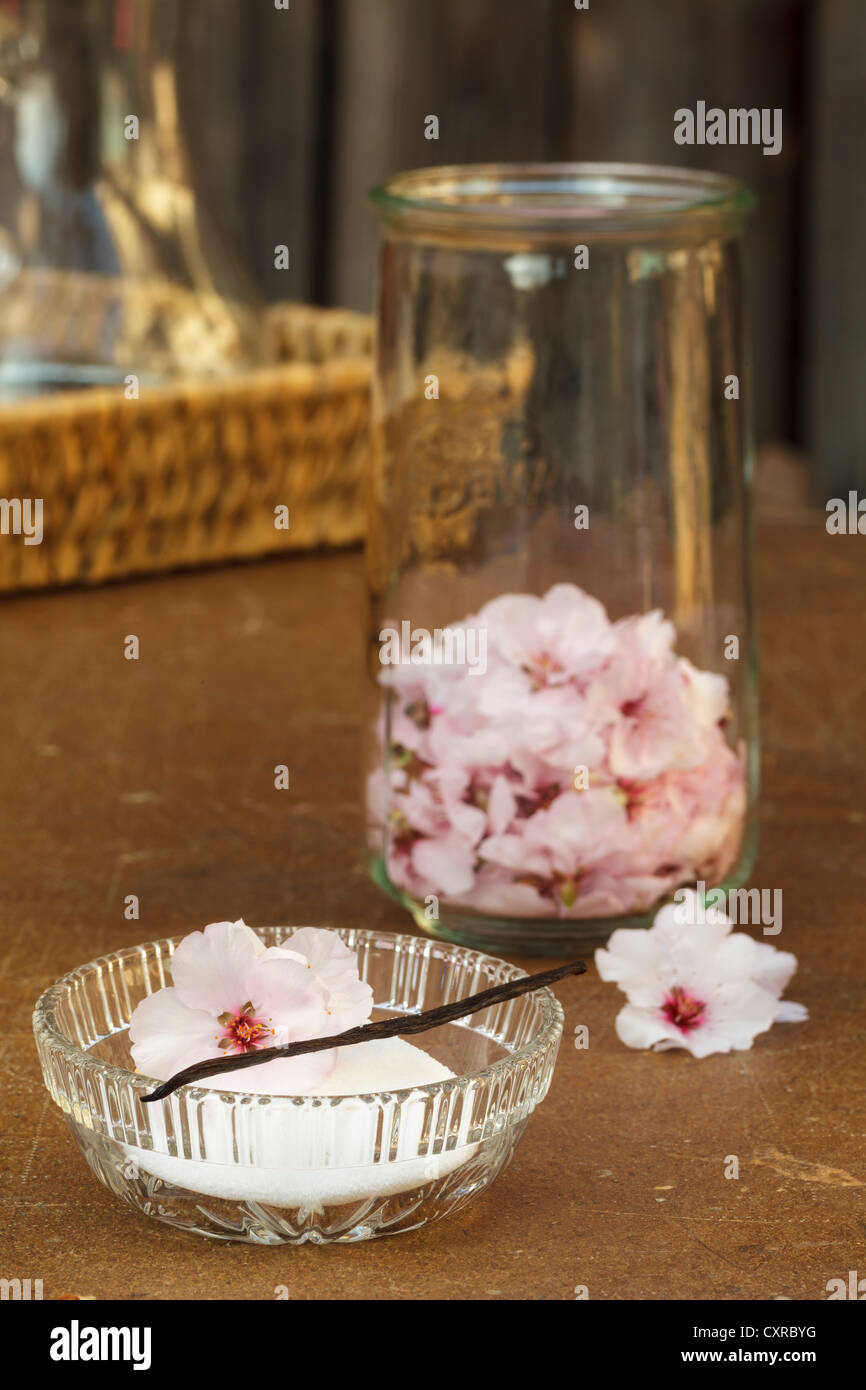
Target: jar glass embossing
(562, 728)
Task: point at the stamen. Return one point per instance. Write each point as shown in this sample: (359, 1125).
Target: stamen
(244, 1032)
(682, 1010)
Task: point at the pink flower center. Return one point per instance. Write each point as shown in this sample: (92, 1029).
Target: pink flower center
(631, 795)
(682, 1010)
(243, 1031)
(632, 708)
(543, 666)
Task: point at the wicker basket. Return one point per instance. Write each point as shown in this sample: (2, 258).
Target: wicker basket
(193, 473)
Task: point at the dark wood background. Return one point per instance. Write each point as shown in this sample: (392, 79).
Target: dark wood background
(305, 109)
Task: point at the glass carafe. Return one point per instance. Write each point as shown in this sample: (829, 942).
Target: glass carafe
(111, 257)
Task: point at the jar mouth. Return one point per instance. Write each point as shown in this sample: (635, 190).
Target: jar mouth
(532, 198)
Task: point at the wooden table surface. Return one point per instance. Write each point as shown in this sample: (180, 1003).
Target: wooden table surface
(155, 778)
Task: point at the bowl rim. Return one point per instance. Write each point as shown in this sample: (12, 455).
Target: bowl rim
(48, 1034)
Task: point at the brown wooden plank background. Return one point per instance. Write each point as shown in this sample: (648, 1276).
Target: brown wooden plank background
(305, 109)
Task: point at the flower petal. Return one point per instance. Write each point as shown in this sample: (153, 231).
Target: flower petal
(166, 1035)
(447, 863)
(789, 1012)
(285, 1076)
(209, 968)
(349, 999)
(501, 805)
(773, 968)
(286, 995)
(640, 1027)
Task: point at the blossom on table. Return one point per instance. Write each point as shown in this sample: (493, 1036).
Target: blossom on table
(690, 982)
(476, 798)
(232, 995)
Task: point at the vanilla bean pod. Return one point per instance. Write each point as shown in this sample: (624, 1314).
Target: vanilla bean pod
(401, 1026)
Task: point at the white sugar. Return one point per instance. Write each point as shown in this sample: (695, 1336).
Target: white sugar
(293, 1154)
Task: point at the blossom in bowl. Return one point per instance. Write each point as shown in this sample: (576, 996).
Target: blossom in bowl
(232, 995)
(476, 798)
(691, 982)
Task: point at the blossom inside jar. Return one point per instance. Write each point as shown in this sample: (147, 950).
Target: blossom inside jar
(479, 802)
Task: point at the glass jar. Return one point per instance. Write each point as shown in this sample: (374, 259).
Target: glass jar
(562, 644)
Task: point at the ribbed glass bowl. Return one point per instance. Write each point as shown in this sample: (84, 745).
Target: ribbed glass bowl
(275, 1170)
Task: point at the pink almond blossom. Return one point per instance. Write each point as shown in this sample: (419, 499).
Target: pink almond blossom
(564, 634)
(696, 984)
(232, 995)
(477, 797)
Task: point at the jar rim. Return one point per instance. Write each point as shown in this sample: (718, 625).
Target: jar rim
(532, 198)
